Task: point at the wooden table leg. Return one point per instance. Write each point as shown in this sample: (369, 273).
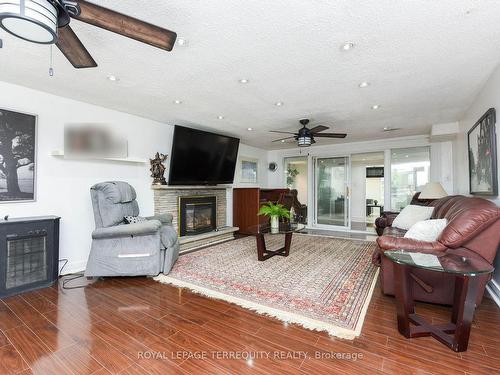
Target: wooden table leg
(288, 242)
(404, 299)
(261, 246)
(464, 305)
(264, 254)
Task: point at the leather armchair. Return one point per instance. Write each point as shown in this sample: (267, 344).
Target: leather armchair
(289, 199)
(473, 231)
(120, 249)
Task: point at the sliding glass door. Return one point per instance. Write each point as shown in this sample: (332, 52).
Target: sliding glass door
(410, 171)
(332, 191)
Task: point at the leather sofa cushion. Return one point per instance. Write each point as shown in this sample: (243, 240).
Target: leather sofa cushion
(466, 218)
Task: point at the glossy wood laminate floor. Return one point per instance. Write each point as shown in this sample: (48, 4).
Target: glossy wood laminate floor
(138, 326)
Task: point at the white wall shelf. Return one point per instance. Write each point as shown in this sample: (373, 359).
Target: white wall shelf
(60, 153)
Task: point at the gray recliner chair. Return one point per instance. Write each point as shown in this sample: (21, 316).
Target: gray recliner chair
(120, 249)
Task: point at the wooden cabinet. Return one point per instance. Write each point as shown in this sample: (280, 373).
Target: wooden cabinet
(246, 205)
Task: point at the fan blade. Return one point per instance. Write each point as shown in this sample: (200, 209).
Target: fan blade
(318, 129)
(125, 25)
(283, 139)
(277, 131)
(330, 135)
(73, 49)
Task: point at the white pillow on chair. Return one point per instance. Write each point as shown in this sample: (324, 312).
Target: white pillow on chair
(412, 214)
(427, 230)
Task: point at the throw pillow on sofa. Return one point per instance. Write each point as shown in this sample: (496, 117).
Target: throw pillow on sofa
(411, 215)
(134, 219)
(427, 230)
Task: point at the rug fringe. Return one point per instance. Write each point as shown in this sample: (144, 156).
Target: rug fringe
(284, 316)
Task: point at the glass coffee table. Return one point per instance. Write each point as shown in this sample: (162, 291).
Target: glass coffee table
(284, 228)
(468, 272)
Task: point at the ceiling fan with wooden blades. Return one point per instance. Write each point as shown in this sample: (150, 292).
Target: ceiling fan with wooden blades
(305, 136)
(47, 22)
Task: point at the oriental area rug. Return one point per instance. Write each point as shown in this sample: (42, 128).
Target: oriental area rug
(324, 284)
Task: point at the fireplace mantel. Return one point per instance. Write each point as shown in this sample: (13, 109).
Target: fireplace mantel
(191, 187)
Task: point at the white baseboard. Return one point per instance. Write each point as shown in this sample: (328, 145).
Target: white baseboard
(494, 290)
(72, 267)
(358, 219)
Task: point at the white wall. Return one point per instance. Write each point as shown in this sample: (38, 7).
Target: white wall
(488, 97)
(63, 185)
(247, 152)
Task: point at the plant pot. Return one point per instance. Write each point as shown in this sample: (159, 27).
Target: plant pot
(275, 224)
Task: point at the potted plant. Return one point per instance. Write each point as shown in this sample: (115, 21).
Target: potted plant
(275, 212)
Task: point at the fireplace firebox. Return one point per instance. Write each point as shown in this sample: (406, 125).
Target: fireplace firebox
(29, 254)
(197, 214)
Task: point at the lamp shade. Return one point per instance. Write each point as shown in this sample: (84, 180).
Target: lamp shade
(432, 190)
(31, 20)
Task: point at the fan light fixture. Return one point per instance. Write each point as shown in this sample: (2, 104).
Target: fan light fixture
(304, 138)
(31, 20)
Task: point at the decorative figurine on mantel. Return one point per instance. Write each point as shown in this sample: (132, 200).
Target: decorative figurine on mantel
(158, 169)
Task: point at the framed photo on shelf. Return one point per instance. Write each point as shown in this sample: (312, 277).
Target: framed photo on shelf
(17, 156)
(482, 148)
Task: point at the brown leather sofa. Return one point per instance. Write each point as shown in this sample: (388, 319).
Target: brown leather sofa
(473, 230)
(387, 217)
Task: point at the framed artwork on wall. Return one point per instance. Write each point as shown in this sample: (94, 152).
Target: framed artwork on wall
(482, 147)
(17, 156)
(249, 170)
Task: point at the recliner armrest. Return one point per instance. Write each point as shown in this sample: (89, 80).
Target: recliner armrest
(402, 243)
(127, 230)
(163, 218)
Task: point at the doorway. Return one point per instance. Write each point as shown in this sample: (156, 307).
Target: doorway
(332, 192)
(367, 183)
(296, 177)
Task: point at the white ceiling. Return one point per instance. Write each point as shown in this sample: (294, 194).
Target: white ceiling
(426, 61)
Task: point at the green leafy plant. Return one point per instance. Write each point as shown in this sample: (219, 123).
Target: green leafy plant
(270, 209)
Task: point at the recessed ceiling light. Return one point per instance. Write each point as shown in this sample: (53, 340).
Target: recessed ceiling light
(282, 141)
(375, 106)
(182, 42)
(249, 129)
(243, 80)
(389, 129)
(177, 101)
(364, 84)
(347, 46)
(220, 117)
(112, 77)
(279, 104)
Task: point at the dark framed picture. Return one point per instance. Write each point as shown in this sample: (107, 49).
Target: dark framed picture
(483, 156)
(17, 156)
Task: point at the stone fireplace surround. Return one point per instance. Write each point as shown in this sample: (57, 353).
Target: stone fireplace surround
(166, 200)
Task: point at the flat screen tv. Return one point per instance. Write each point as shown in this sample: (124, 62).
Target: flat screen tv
(202, 158)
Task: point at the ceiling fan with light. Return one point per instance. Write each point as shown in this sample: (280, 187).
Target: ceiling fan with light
(47, 22)
(305, 136)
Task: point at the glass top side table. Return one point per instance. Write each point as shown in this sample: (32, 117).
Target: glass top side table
(468, 272)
